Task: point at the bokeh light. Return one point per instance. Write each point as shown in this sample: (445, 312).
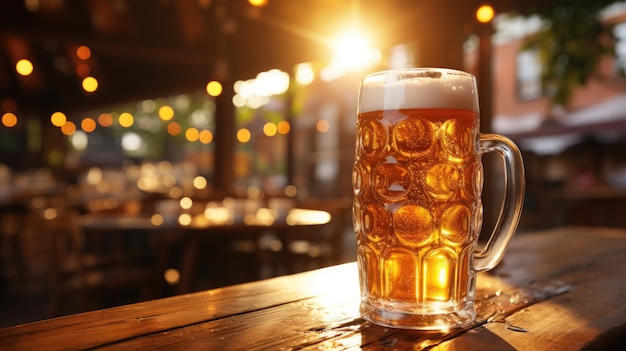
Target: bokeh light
(192, 134)
(90, 84)
(171, 275)
(270, 129)
(283, 127)
(105, 119)
(184, 219)
(24, 67)
(200, 182)
(126, 120)
(83, 52)
(304, 74)
(166, 112)
(68, 128)
(214, 88)
(186, 202)
(485, 14)
(243, 135)
(322, 126)
(205, 136)
(9, 120)
(291, 190)
(79, 140)
(88, 125)
(131, 142)
(58, 119)
(173, 128)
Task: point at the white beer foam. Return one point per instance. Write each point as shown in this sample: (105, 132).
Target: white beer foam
(444, 89)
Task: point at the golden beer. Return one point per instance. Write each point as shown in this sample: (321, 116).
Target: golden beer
(417, 211)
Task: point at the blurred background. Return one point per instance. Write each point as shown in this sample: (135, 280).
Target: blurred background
(113, 106)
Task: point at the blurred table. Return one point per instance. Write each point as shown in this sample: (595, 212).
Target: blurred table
(200, 227)
(599, 206)
(560, 289)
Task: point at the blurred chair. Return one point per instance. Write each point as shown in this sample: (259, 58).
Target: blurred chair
(89, 276)
(307, 248)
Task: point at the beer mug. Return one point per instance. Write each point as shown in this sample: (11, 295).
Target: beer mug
(417, 212)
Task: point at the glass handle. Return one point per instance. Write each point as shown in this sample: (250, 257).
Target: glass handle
(513, 198)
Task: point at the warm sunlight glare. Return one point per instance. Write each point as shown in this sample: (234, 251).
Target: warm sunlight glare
(353, 51)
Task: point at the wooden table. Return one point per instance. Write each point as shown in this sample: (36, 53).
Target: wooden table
(561, 289)
(199, 228)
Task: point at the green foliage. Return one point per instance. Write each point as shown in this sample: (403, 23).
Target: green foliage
(572, 45)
